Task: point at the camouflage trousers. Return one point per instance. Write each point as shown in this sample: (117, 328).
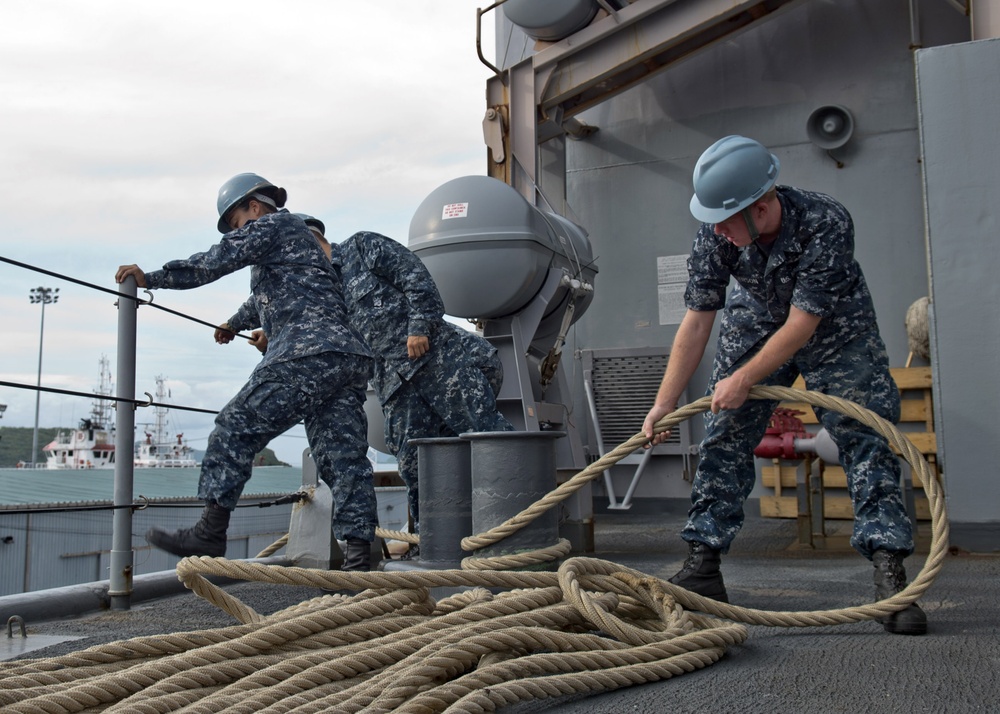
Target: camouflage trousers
(859, 372)
(448, 396)
(485, 357)
(327, 391)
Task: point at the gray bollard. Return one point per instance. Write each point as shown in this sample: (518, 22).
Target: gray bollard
(444, 474)
(445, 478)
(510, 471)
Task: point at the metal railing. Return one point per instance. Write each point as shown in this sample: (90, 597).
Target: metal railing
(123, 504)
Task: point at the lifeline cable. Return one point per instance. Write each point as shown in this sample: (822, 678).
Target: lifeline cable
(146, 504)
(106, 397)
(92, 286)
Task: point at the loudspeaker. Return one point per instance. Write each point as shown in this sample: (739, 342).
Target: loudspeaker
(830, 127)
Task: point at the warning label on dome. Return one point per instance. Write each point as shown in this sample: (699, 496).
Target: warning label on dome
(454, 210)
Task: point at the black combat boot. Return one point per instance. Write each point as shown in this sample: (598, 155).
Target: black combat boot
(890, 578)
(700, 573)
(357, 555)
(206, 537)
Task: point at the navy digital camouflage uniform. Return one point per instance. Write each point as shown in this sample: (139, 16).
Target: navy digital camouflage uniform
(484, 356)
(449, 390)
(316, 367)
(810, 265)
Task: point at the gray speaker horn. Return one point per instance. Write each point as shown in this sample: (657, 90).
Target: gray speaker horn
(830, 126)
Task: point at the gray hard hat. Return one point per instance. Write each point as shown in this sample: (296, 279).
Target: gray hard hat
(312, 222)
(243, 186)
(730, 175)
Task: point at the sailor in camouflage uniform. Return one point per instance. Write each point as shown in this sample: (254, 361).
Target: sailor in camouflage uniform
(316, 368)
(432, 378)
(800, 306)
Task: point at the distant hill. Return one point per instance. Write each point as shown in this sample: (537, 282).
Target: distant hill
(267, 458)
(15, 446)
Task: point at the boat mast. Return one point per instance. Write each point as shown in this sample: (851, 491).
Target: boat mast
(160, 412)
(100, 408)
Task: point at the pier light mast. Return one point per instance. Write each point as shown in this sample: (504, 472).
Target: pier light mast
(42, 296)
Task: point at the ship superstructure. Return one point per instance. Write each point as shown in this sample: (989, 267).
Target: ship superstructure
(92, 444)
(159, 449)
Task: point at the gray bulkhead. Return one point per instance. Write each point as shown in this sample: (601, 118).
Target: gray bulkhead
(629, 183)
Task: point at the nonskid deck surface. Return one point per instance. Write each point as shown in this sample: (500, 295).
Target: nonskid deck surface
(855, 667)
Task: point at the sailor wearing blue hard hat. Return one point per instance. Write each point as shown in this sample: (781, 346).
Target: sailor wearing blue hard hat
(800, 306)
(316, 368)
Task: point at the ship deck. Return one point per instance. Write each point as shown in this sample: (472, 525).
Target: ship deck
(854, 667)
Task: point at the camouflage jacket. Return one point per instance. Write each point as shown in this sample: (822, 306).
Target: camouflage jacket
(390, 295)
(295, 296)
(811, 265)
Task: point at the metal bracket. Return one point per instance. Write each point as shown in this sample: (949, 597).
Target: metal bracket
(10, 626)
(493, 134)
(809, 497)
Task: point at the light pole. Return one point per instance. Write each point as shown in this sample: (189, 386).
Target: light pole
(42, 296)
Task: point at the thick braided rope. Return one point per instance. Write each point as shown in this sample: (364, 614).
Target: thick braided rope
(274, 547)
(385, 533)
(932, 488)
(351, 656)
(412, 538)
(392, 649)
(520, 561)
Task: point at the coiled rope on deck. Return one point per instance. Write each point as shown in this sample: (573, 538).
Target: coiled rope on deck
(592, 626)
(932, 488)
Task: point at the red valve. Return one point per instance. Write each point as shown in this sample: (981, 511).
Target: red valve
(783, 429)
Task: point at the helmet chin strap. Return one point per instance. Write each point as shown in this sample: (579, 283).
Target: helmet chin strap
(751, 227)
(264, 199)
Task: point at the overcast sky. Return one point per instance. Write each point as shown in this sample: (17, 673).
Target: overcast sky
(121, 119)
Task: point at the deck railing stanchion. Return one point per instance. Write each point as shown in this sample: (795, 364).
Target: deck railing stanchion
(120, 590)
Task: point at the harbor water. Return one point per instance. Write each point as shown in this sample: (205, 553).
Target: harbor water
(56, 525)
(31, 486)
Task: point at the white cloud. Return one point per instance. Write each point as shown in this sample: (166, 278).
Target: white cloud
(121, 120)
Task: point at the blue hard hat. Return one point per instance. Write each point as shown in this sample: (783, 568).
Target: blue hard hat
(312, 222)
(732, 173)
(240, 187)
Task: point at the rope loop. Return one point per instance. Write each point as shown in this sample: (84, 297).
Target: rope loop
(498, 635)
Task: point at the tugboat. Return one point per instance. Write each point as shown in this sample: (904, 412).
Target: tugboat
(92, 444)
(157, 450)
